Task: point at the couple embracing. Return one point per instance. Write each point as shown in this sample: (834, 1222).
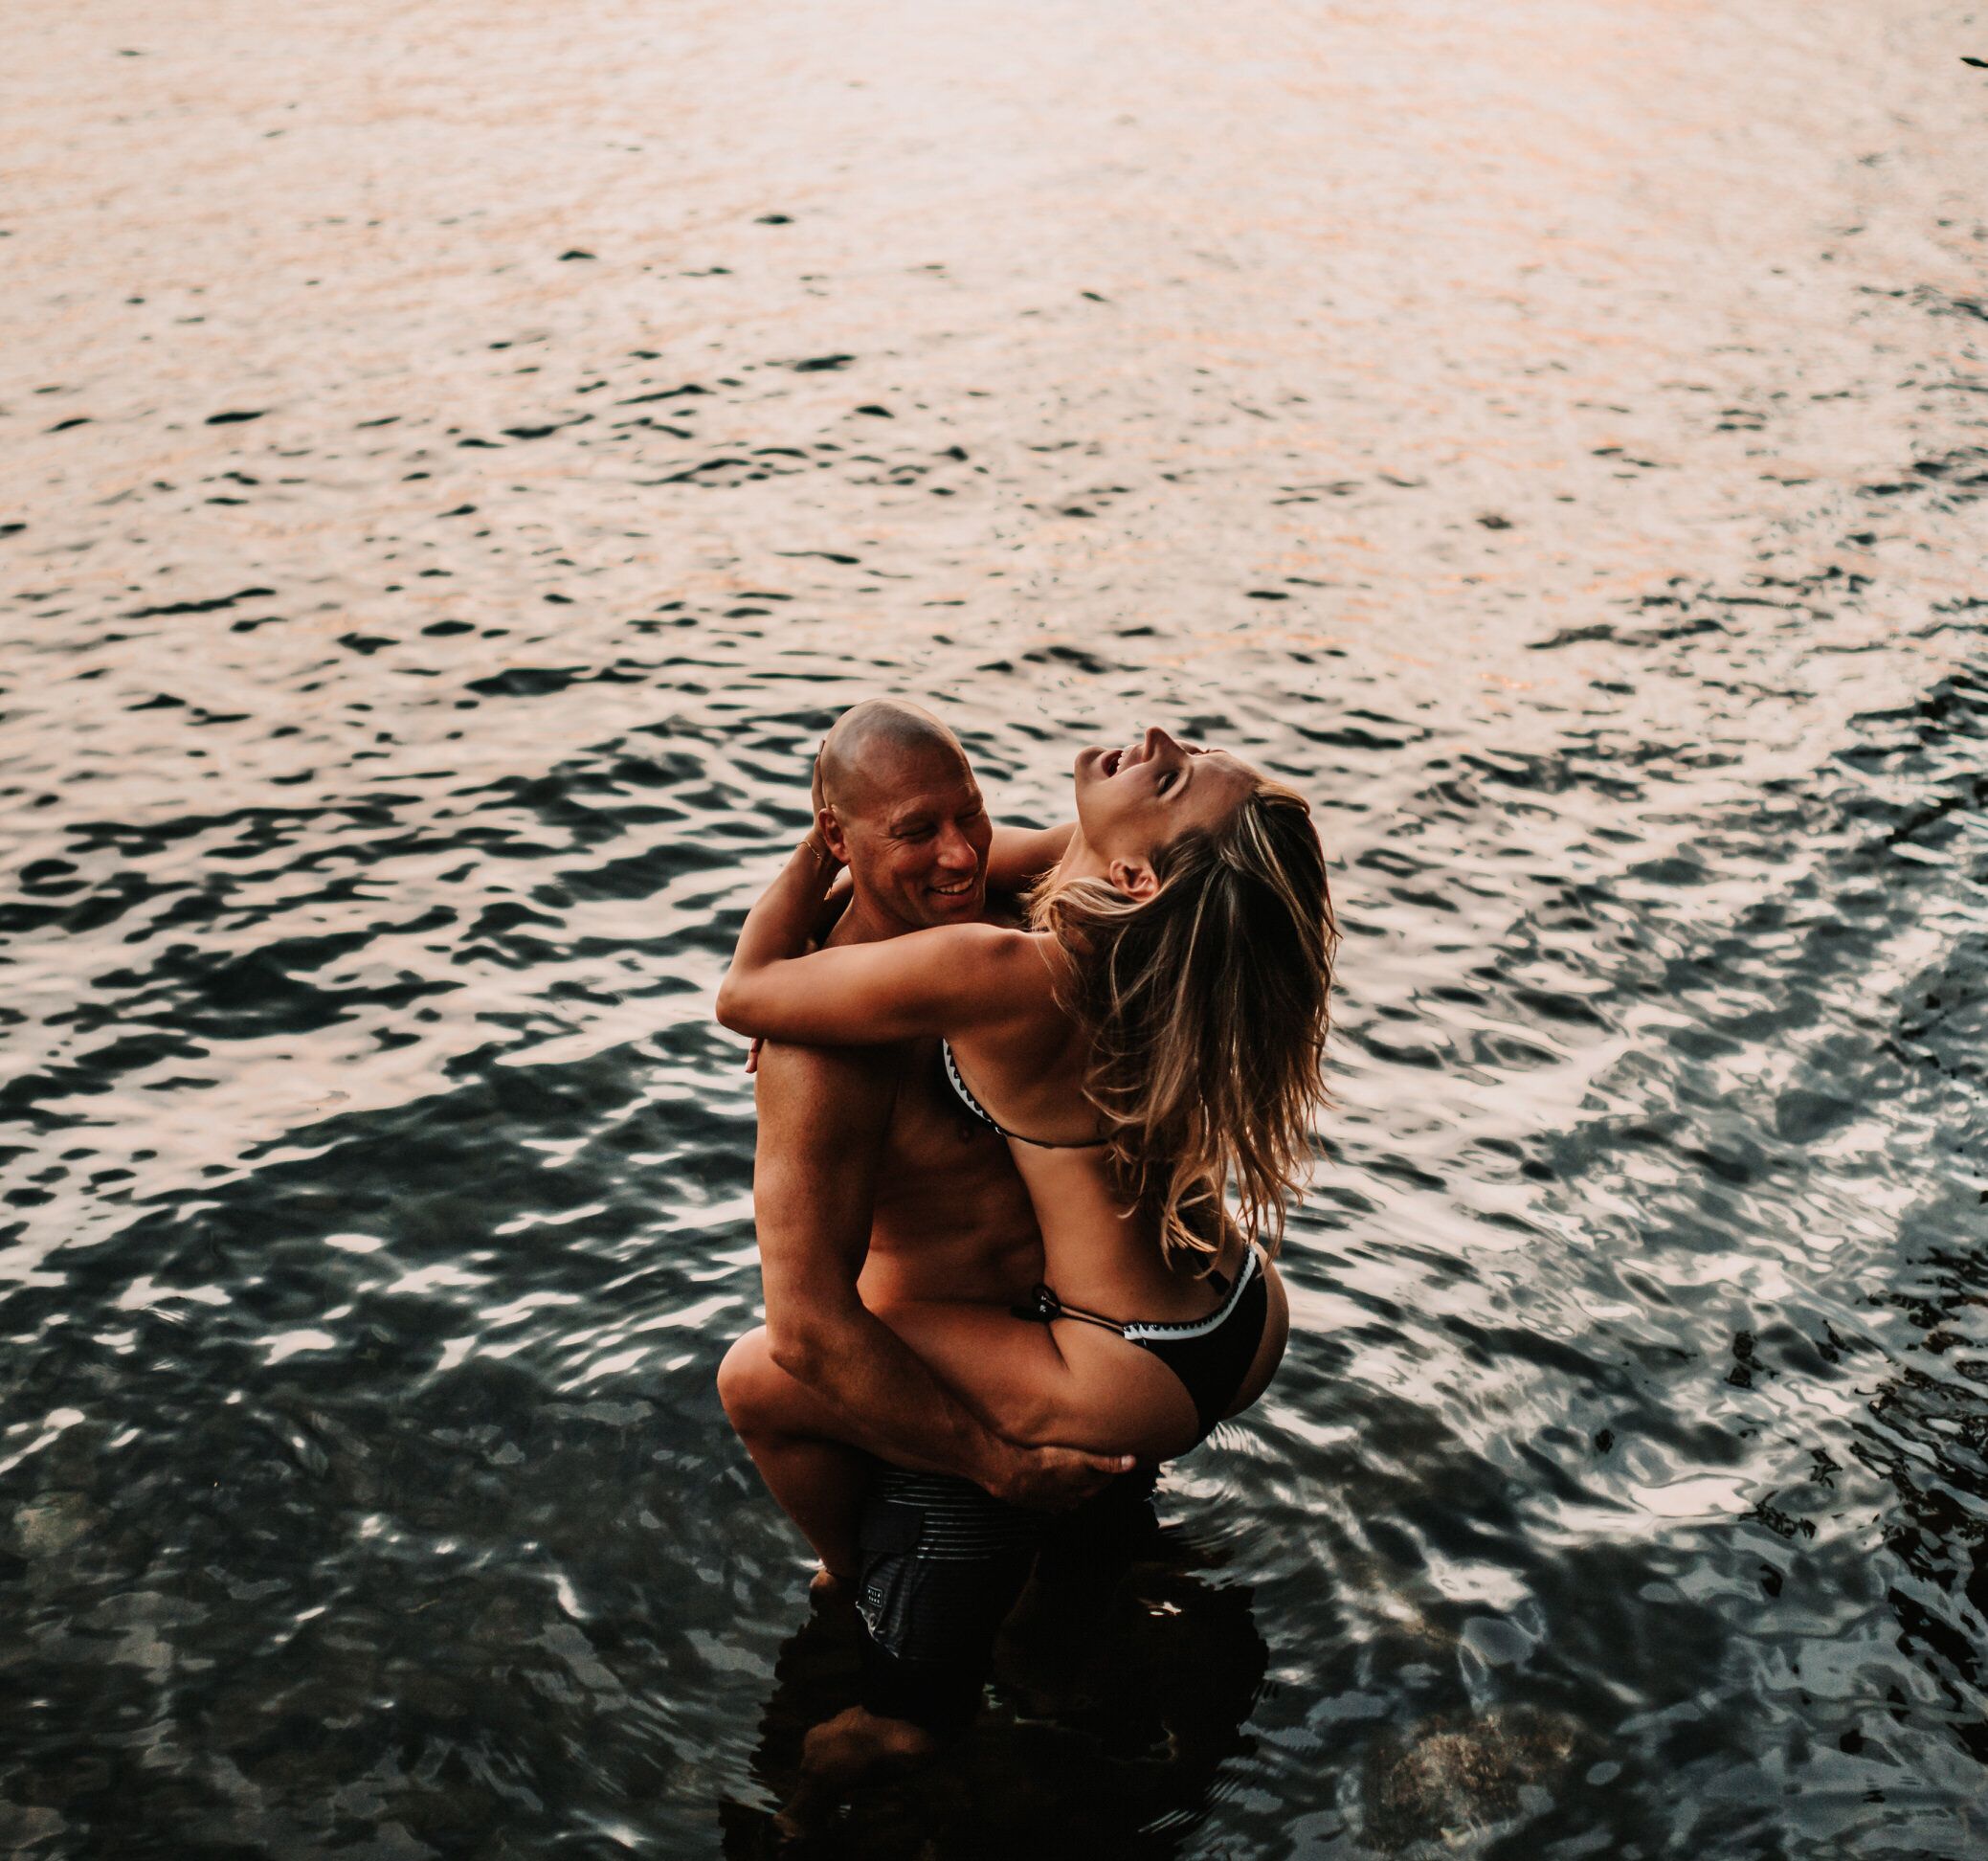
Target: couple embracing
(1031, 1107)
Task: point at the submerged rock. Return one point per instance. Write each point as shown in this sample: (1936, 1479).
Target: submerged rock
(49, 1525)
(1445, 1779)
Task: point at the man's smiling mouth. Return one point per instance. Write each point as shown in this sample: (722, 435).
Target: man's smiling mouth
(963, 886)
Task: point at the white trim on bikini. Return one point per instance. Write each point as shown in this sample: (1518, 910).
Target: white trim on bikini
(1167, 1332)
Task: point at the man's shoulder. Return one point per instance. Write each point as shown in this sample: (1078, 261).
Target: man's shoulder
(826, 1103)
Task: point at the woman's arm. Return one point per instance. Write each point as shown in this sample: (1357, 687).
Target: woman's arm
(792, 909)
(953, 979)
(1019, 856)
(829, 913)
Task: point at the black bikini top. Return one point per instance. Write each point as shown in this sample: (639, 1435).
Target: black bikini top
(987, 1118)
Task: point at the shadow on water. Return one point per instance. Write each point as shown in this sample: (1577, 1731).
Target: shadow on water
(1106, 1740)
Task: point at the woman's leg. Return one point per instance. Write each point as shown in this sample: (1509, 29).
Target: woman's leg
(1065, 1385)
(1074, 1387)
(790, 1432)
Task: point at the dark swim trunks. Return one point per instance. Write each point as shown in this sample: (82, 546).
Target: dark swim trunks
(942, 1565)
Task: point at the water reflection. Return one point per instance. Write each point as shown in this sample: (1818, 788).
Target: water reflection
(1120, 1690)
(1547, 434)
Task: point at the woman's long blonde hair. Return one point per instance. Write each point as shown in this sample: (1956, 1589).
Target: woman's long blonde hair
(1207, 1004)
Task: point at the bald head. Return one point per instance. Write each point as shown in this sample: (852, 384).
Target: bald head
(904, 813)
(878, 749)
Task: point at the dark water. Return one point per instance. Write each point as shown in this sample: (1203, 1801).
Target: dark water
(1551, 435)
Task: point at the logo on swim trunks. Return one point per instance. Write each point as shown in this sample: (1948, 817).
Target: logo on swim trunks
(870, 1607)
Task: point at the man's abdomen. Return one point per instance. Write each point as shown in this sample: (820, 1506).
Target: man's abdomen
(964, 1234)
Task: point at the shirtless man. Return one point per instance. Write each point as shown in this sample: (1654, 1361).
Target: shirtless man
(871, 1188)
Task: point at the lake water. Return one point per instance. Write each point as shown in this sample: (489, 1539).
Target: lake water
(457, 460)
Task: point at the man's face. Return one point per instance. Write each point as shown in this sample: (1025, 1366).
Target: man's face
(917, 847)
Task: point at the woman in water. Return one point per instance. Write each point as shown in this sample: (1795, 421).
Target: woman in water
(1149, 1045)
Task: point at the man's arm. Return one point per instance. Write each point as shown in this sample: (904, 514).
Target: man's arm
(822, 1118)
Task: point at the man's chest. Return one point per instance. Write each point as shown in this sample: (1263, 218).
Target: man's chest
(933, 1143)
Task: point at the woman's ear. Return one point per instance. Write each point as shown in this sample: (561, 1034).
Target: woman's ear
(1134, 878)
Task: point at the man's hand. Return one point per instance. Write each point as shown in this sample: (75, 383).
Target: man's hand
(1053, 1479)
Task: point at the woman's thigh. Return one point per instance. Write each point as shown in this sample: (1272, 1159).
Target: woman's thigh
(1073, 1386)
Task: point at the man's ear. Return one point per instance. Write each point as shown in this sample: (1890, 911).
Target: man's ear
(832, 834)
(1134, 878)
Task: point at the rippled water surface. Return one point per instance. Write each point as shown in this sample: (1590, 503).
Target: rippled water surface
(457, 460)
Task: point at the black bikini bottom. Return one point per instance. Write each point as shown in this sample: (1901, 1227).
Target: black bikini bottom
(1211, 1355)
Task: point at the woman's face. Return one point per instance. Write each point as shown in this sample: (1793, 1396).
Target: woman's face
(1132, 801)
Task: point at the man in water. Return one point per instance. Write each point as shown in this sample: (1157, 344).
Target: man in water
(870, 1186)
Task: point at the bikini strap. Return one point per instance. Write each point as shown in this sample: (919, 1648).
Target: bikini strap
(961, 1090)
(1042, 1307)
(964, 1092)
